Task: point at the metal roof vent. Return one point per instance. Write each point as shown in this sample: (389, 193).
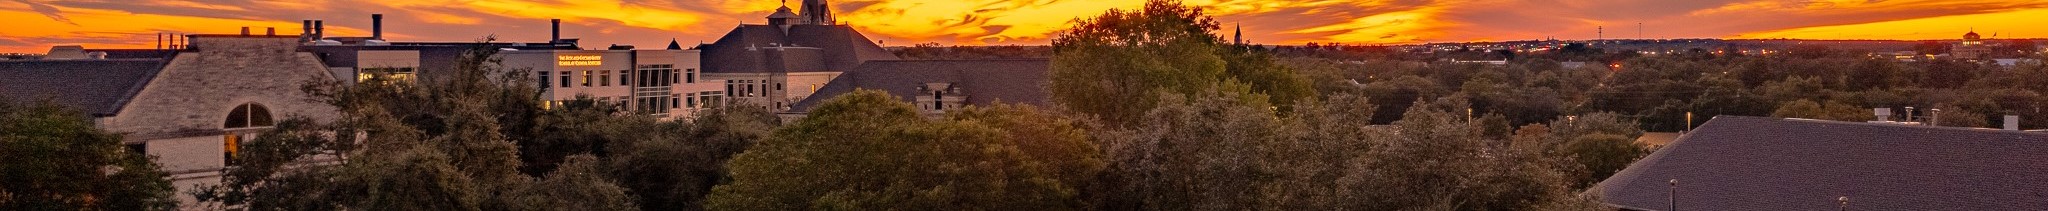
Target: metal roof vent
(2012, 122)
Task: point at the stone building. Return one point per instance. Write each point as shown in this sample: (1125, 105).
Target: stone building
(663, 83)
(789, 58)
(660, 83)
(936, 86)
(191, 107)
(1972, 47)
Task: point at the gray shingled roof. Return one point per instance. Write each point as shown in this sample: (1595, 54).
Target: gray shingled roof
(747, 49)
(1755, 163)
(984, 81)
(97, 87)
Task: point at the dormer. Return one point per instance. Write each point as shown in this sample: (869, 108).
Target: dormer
(782, 17)
(938, 97)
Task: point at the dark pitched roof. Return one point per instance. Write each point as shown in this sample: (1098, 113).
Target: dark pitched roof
(984, 81)
(97, 87)
(747, 49)
(1755, 163)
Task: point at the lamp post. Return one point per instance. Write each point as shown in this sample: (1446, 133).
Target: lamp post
(1674, 195)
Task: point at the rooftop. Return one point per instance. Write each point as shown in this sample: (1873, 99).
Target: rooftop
(1756, 163)
(983, 81)
(99, 87)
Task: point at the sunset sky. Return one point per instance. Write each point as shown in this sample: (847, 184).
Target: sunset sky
(34, 25)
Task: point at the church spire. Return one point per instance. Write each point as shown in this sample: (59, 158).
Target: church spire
(1239, 37)
(817, 12)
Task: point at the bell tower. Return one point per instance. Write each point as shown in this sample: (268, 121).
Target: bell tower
(817, 12)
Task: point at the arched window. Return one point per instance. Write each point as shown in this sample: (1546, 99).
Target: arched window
(244, 116)
(247, 116)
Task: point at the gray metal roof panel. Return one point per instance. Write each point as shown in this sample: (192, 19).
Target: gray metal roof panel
(97, 87)
(1755, 163)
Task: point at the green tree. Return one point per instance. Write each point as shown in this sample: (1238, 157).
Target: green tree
(445, 143)
(1601, 155)
(867, 150)
(579, 172)
(1190, 153)
(1433, 159)
(1808, 109)
(1113, 65)
(1322, 138)
(675, 168)
(54, 159)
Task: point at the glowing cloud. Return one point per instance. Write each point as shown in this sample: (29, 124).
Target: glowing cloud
(36, 24)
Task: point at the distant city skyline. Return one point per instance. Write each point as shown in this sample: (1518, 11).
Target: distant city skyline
(37, 25)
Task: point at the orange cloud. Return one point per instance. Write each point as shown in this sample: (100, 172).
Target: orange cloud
(2011, 24)
(36, 24)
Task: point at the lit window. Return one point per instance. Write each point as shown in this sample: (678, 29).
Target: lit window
(231, 145)
(244, 116)
(586, 77)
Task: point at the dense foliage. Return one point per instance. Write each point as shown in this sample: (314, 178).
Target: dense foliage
(1152, 112)
(480, 141)
(52, 158)
(1113, 66)
(868, 151)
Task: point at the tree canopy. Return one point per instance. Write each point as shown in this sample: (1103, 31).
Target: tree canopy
(866, 150)
(53, 158)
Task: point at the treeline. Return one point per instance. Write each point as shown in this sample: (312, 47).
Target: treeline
(1803, 82)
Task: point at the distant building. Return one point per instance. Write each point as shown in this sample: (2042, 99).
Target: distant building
(661, 83)
(190, 107)
(1972, 47)
(936, 86)
(787, 60)
(1756, 163)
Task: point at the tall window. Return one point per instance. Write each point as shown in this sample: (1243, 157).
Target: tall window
(604, 78)
(690, 76)
(690, 100)
(587, 75)
(623, 79)
(244, 116)
(565, 78)
(544, 84)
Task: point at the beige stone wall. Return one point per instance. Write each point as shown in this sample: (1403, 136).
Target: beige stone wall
(802, 85)
(196, 90)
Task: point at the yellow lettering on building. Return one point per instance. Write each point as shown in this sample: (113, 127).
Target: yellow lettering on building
(583, 60)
